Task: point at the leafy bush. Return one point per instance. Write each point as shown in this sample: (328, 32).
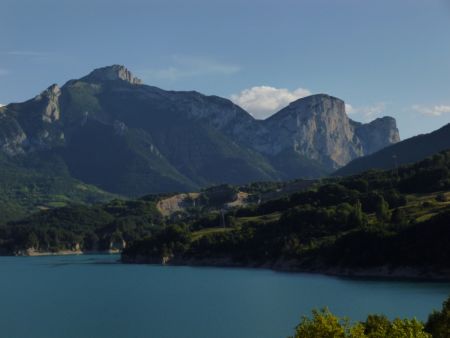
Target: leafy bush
(324, 324)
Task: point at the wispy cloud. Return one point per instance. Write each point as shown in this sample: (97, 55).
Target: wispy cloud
(436, 110)
(263, 101)
(25, 53)
(366, 113)
(188, 66)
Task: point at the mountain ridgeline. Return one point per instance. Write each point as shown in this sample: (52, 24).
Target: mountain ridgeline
(407, 151)
(109, 130)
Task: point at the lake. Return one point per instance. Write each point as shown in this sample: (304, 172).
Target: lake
(94, 296)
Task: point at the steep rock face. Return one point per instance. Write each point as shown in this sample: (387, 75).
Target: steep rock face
(51, 111)
(315, 127)
(318, 128)
(377, 134)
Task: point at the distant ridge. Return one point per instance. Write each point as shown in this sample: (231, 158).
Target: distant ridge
(408, 151)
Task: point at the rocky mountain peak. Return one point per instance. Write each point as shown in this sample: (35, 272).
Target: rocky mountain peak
(314, 99)
(313, 106)
(50, 98)
(377, 134)
(315, 127)
(51, 92)
(112, 73)
(318, 128)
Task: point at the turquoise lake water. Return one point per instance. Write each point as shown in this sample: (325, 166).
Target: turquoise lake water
(94, 296)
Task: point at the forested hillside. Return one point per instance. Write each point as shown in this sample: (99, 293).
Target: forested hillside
(378, 222)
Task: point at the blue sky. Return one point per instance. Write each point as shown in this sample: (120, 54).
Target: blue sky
(383, 57)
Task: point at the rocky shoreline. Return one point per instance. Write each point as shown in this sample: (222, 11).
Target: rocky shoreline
(281, 265)
(380, 272)
(36, 253)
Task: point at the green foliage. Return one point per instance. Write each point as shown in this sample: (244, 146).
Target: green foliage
(438, 324)
(166, 242)
(399, 217)
(218, 195)
(441, 198)
(364, 221)
(30, 184)
(91, 228)
(382, 209)
(324, 324)
(357, 218)
(341, 223)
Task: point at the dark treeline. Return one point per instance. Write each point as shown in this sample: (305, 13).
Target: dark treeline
(379, 218)
(99, 227)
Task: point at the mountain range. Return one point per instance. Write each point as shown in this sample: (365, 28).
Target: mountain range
(110, 131)
(407, 151)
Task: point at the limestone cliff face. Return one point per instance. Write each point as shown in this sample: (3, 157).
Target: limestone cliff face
(51, 110)
(318, 128)
(377, 134)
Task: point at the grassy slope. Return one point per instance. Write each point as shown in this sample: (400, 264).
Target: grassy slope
(24, 190)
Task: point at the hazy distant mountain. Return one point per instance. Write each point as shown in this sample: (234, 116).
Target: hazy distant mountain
(408, 151)
(112, 131)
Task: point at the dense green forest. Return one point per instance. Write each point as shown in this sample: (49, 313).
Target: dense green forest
(101, 226)
(90, 228)
(386, 219)
(326, 325)
(378, 219)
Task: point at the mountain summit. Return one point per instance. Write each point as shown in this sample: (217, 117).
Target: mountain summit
(112, 73)
(110, 130)
(317, 128)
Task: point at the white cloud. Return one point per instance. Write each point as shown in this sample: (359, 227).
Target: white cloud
(349, 109)
(366, 113)
(437, 110)
(263, 101)
(188, 66)
(1, 105)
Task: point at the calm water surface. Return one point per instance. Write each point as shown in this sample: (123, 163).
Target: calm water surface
(92, 296)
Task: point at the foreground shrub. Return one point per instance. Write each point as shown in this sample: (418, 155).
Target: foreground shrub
(324, 324)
